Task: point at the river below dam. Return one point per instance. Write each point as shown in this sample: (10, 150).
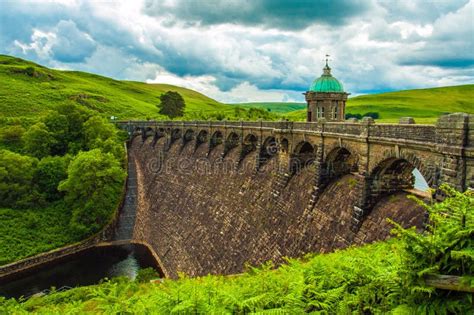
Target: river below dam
(85, 268)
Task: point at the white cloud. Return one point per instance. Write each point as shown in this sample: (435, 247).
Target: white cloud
(206, 84)
(411, 45)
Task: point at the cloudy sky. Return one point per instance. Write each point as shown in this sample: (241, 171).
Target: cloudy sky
(249, 50)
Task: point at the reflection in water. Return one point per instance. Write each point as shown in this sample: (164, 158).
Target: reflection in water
(81, 269)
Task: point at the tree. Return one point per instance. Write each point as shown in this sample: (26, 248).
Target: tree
(49, 173)
(16, 174)
(97, 128)
(172, 104)
(38, 141)
(12, 135)
(58, 126)
(93, 186)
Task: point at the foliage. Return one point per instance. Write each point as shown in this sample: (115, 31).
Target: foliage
(58, 125)
(11, 135)
(374, 115)
(38, 141)
(146, 274)
(55, 138)
(49, 172)
(380, 278)
(16, 175)
(34, 230)
(94, 183)
(172, 104)
(445, 247)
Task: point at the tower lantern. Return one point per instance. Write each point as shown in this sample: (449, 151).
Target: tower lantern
(326, 98)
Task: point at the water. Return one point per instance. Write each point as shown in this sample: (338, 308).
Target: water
(420, 182)
(86, 268)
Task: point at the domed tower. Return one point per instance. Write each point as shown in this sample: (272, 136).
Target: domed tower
(326, 98)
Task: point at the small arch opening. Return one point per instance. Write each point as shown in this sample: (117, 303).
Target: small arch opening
(340, 161)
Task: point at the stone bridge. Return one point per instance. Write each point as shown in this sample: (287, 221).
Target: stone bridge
(380, 159)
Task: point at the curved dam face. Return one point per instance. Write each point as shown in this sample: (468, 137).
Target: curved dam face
(205, 212)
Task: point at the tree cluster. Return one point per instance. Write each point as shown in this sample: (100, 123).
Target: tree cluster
(70, 154)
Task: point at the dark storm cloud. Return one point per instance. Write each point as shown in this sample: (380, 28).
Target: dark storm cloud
(281, 14)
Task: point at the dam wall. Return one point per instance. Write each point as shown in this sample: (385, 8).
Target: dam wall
(204, 208)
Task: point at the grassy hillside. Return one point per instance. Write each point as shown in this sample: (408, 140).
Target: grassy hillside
(274, 107)
(28, 89)
(423, 104)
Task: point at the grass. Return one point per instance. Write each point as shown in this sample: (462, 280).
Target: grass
(425, 105)
(28, 90)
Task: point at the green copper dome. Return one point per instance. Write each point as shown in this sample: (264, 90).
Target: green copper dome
(326, 83)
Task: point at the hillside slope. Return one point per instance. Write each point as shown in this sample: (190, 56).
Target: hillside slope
(29, 89)
(423, 104)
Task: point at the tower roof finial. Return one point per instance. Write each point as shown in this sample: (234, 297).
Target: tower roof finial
(327, 69)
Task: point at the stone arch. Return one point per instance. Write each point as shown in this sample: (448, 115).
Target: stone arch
(231, 142)
(338, 162)
(188, 135)
(216, 139)
(428, 173)
(149, 132)
(303, 155)
(268, 150)
(391, 174)
(249, 144)
(201, 138)
(176, 134)
(159, 133)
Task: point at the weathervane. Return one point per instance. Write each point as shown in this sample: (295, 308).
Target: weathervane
(327, 58)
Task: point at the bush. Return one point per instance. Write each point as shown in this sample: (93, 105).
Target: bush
(146, 274)
(16, 175)
(93, 186)
(49, 173)
(38, 141)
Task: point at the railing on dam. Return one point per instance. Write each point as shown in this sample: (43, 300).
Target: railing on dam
(421, 133)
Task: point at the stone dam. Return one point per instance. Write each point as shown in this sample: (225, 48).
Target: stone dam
(214, 196)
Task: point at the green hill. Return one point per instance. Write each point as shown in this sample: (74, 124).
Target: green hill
(425, 105)
(274, 107)
(28, 89)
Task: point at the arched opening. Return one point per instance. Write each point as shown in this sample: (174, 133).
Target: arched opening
(149, 132)
(339, 162)
(201, 138)
(231, 142)
(395, 174)
(175, 134)
(302, 156)
(160, 133)
(216, 139)
(137, 131)
(249, 145)
(188, 135)
(284, 145)
(268, 150)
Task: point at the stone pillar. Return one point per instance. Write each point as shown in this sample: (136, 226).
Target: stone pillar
(452, 133)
